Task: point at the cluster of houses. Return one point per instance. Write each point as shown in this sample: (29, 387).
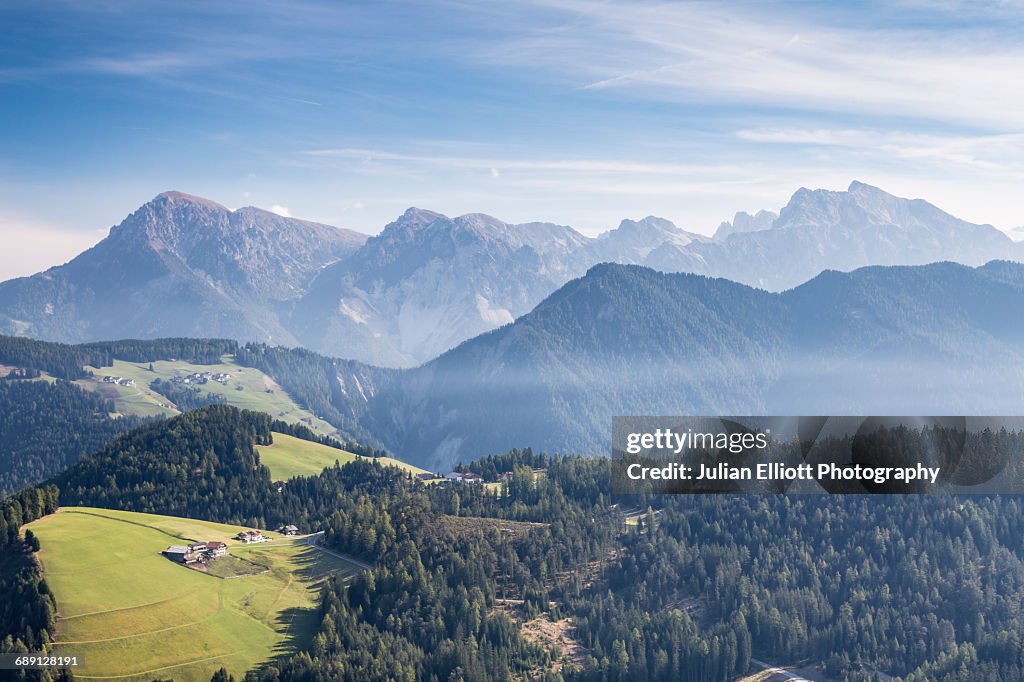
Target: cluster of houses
(196, 552)
(200, 552)
(470, 477)
(201, 378)
(464, 477)
(250, 537)
(120, 381)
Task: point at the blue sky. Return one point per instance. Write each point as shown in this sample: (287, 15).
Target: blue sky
(570, 111)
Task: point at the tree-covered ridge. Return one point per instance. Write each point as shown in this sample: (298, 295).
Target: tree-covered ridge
(339, 391)
(46, 427)
(204, 465)
(68, 362)
(934, 339)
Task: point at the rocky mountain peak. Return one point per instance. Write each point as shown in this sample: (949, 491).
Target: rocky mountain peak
(745, 222)
(178, 198)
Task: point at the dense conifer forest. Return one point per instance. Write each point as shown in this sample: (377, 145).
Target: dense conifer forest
(46, 427)
(690, 587)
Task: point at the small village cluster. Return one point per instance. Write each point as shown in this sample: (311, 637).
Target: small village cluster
(464, 477)
(202, 378)
(201, 552)
(470, 477)
(197, 552)
(120, 381)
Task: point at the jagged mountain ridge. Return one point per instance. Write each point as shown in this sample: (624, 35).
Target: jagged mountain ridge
(183, 265)
(440, 283)
(179, 265)
(428, 282)
(822, 230)
(745, 222)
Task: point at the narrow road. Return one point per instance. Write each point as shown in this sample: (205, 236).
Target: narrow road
(311, 540)
(775, 670)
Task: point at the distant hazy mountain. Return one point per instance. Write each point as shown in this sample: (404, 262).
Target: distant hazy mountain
(744, 222)
(178, 266)
(633, 241)
(936, 339)
(428, 282)
(182, 266)
(820, 230)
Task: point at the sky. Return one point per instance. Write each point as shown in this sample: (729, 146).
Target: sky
(569, 111)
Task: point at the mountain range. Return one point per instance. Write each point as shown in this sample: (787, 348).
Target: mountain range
(627, 340)
(185, 266)
(936, 339)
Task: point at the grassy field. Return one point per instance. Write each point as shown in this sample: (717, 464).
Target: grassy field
(134, 615)
(289, 457)
(248, 388)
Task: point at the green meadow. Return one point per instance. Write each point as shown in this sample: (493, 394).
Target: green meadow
(132, 614)
(248, 389)
(289, 457)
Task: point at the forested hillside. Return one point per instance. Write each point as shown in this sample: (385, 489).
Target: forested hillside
(464, 577)
(45, 427)
(336, 390)
(27, 606)
(626, 340)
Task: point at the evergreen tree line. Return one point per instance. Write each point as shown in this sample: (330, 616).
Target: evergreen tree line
(27, 607)
(46, 427)
(68, 361)
(186, 397)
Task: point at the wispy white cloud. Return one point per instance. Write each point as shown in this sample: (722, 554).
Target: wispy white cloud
(1000, 153)
(491, 164)
(775, 56)
(281, 211)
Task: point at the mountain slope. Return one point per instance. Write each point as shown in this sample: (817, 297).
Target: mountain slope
(428, 282)
(179, 265)
(45, 427)
(941, 338)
